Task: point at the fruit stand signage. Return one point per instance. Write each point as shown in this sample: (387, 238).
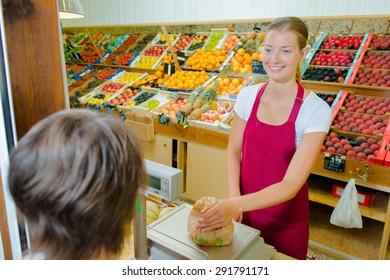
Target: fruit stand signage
(257, 67)
(334, 162)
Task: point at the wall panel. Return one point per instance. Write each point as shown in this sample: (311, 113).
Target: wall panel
(125, 12)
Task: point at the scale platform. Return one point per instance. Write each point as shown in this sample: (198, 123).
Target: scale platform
(168, 238)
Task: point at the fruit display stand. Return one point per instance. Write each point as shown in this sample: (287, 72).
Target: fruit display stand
(315, 41)
(122, 49)
(213, 60)
(216, 39)
(198, 41)
(200, 152)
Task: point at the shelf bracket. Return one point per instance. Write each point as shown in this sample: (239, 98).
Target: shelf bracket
(363, 174)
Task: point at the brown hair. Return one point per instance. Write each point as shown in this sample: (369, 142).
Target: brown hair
(75, 176)
(297, 26)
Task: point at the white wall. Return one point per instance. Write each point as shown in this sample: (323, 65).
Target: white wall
(126, 12)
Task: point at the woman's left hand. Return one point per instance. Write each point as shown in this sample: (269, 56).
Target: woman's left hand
(219, 215)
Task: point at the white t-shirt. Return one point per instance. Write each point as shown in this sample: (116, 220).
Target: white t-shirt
(314, 115)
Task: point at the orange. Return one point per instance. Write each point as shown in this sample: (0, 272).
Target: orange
(236, 82)
(243, 71)
(255, 56)
(236, 69)
(158, 74)
(240, 59)
(226, 81)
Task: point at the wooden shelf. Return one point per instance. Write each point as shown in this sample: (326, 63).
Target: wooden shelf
(362, 243)
(320, 192)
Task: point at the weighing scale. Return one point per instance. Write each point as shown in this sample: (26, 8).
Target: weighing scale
(167, 238)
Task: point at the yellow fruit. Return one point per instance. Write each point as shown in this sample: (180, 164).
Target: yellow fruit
(241, 51)
(152, 212)
(165, 211)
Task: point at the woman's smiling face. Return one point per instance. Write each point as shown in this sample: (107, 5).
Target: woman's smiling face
(281, 55)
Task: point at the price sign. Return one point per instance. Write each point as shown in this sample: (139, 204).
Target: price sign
(334, 162)
(257, 67)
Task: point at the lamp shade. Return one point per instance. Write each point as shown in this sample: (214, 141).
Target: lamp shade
(69, 9)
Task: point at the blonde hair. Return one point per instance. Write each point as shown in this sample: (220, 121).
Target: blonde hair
(297, 26)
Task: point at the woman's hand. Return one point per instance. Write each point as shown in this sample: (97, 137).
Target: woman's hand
(220, 214)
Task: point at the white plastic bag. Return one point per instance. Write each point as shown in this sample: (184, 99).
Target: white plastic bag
(347, 213)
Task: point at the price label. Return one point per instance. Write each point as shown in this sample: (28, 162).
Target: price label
(334, 162)
(257, 67)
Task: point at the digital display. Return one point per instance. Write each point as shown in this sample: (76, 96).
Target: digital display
(154, 182)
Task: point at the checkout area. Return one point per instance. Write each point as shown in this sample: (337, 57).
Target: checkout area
(167, 238)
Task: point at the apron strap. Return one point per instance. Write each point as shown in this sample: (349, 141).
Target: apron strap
(297, 104)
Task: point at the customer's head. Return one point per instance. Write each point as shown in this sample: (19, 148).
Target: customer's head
(75, 176)
(279, 33)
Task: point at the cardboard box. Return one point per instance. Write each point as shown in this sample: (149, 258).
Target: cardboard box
(365, 198)
(142, 127)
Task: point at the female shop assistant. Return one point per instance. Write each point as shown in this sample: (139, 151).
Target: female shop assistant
(277, 133)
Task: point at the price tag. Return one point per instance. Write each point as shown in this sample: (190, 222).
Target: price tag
(169, 68)
(257, 67)
(334, 162)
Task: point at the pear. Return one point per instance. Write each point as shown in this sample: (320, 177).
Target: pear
(260, 36)
(251, 34)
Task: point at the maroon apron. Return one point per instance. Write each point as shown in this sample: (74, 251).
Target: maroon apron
(266, 154)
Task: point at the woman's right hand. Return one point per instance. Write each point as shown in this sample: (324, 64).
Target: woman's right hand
(219, 215)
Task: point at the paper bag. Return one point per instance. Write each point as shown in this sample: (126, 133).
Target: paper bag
(218, 237)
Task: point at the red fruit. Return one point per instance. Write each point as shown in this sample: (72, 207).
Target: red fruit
(356, 130)
(368, 151)
(348, 147)
(332, 134)
(346, 128)
(331, 150)
(371, 141)
(359, 121)
(340, 151)
(351, 153)
(340, 79)
(361, 139)
(369, 122)
(356, 116)
(343, 123)
(379, 112)
(364, 145)
(335, 140)
(337, 71)
(340, 118)
(357, 149)
(376, 133)
(344, 141)
(362, 126)
(366, 131)
(361, 155)
(360, 110)
(346, 115)
(372, 127)
(337, 145)
(330, 99)
(374, 147)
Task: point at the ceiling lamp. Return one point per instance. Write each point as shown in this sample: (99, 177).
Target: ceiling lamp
(70, 9)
